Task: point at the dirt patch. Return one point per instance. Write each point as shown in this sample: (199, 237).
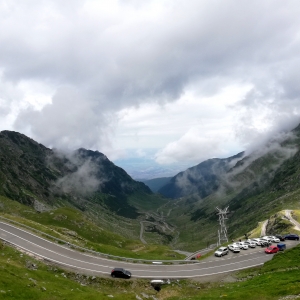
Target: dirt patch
(138, 249)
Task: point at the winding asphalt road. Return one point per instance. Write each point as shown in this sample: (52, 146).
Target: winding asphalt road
(288, 214)
(99, 266)
(263, 228)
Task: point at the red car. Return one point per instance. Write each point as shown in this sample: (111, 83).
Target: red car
(272, 249)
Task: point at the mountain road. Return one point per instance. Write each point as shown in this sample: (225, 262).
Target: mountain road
(288, 214)
(99, 266)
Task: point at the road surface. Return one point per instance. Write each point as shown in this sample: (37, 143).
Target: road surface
(94, 265)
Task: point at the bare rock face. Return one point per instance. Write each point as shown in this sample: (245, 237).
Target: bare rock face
(30, 265)
(70, 232)
(40, 207)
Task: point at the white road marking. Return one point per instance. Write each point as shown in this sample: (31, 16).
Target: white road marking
(105, 266)
(198, 266)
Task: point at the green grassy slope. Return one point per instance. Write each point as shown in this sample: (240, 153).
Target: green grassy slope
(201, 231)
(250, 204)
(97, 190)
(23, 277)
(74, 226)
(109, 219)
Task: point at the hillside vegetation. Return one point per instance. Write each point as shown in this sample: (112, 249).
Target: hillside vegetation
(255, 188)
(23, 277)
(73, 226)
(86, 200)
(85, 183)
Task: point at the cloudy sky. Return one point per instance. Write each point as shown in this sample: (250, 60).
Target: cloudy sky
(188, 80)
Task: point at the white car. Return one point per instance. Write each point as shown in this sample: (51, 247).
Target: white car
(236, 248)
(230, 247)
(267, 238)
(265, 242)
(243, 246)
(221, 251)
(275, 239)
(250, 243)
(257, 241)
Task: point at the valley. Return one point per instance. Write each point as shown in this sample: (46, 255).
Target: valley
(83, 201)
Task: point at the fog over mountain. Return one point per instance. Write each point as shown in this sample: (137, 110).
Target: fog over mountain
(220, 175)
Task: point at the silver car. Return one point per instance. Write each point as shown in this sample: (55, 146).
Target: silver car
(234, 248)
(250, 243)
(243, 246)
(221, 251)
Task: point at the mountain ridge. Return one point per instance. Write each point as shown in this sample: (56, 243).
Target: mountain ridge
(202, 179)
(252, 185)
(30, 172)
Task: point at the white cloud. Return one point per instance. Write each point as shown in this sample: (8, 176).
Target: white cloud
(68, 121)
(190, 129)
(109, 75)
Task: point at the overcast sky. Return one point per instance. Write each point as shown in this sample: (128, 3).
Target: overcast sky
(191, 79)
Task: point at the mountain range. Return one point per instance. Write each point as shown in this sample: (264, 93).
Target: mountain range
(203, 179)
(31, 173)
(254, 186)
(181, 212)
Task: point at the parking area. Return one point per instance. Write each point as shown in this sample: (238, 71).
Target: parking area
(249, 250)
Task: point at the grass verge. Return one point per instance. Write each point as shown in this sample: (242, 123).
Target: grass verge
(23, 277)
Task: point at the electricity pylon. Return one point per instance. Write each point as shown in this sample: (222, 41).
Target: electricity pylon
(222, 232)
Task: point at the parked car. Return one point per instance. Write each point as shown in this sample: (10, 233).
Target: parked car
(120, 273)
(257, 241)
(243, 246)
(250, 243)
(221, 251)
(272, 249)
(272, 238)
(234, 248)
(279, 236)
(281, 246)
(275, 239)
(265, 242)
(230, 247)
(291, 236)
(267, 238)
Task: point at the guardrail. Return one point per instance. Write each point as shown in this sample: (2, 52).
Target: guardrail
(104, 255)
(201, 252)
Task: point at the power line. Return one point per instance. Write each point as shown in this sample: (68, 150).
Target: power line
(222, 232)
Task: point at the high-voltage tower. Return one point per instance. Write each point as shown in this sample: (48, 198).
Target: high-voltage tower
(222, 232)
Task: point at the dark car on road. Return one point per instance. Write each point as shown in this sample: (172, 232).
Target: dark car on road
(120, 273)
(291, 236)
